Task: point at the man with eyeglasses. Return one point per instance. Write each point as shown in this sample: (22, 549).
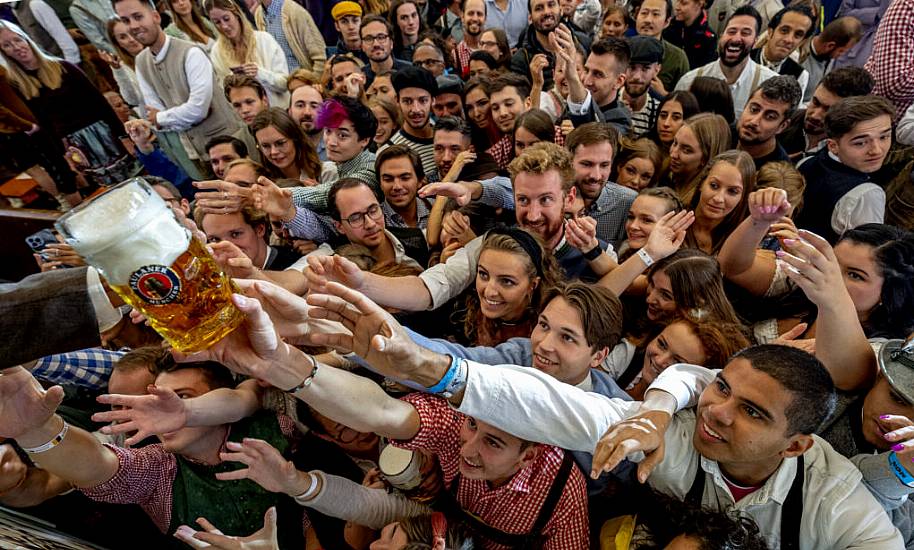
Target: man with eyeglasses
(430, 58)
(377, 45)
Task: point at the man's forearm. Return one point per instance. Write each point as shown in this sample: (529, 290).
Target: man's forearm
(406, 293)
(79, 458)
(223, 405)
(359, 403)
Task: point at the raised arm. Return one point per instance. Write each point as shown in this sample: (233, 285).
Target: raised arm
(740, 260)
(841, 344)
(27, 414)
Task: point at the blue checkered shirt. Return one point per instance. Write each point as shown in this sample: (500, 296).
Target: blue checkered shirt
(89, 368)
(272, 16)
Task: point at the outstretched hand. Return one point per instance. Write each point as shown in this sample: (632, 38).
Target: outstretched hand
(160, 411)
(328, 269)
(265, 467)
(813, 266)
(288, 311)
(668, 234)
(211, 537)
(644, 432)
(375, 335)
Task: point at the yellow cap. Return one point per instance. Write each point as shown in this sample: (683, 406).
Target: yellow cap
(346, 8)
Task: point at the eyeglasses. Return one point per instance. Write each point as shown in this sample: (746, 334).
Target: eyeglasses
(375, 38)
(487, 44)
(358, 219)
(429, 62)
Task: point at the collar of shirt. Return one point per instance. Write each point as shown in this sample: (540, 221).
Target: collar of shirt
(365, 158)
(602, 201)
(274, 9)
(775, 487)
(776, 67)
(396, 220)
(164, 51)
(586, 384)
(271, 253)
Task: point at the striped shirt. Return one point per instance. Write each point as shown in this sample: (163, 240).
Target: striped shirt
(425, 147)
(645, 119)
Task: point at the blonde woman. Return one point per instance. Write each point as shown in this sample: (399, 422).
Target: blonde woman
(189, 24)
(242, 49)
(74, 118)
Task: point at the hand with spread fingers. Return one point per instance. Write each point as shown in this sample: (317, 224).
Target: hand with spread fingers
(375, 335)
(455, 190)
(668, 234)
(792, 338)
(265, 466)
(327, 269)
(222, 197)
(644, 432)
(288, 311)
(813, 266)
(264, 539)
(159, 411)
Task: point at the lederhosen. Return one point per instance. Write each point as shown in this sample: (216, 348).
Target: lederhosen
(450, 506)
(791, 512)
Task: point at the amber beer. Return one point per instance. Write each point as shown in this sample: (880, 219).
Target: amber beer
(132, 237)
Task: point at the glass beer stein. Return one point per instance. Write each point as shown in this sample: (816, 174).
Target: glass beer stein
(130, 235)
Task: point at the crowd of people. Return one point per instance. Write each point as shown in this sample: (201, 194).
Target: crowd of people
(555, 274)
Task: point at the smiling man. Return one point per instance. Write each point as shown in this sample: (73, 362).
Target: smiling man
(839, 193)
(544, 18)
(786, 31)
(177, 81)
(735, 66)
(651, 19)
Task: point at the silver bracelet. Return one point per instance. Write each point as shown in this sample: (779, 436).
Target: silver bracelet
(645, 257)
(310, 492)
(55, 441)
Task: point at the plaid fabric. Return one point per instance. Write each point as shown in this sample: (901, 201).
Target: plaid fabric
(273, 18)
(514, 506)
(89, 368)
(610, 210)
(360, 167)
(892, 60)
(462, 54)
(502, 151)
(313, 227)
(559, 136)
(392, 219)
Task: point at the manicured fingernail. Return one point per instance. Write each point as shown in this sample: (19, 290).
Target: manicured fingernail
(779, 253)
(790, 242)
(883, 417)
(898, 447)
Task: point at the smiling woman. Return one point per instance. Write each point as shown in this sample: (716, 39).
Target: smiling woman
(283, 147)
(513, 274)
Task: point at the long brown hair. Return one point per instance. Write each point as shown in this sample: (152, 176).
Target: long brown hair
(196, 17)
(546, 274)
(743, 162)
(306, 159)
(713, 135)
(126, 57)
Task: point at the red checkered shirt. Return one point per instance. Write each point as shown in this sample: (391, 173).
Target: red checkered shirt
(462, 54)
(502, 151)
(892, 60)
(559, 136)
(514, 506)
(145, 477)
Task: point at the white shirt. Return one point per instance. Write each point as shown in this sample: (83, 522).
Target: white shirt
(802, 80)
(838, 511)
(753, 74)
(272, 68)
(48, 19)
(904, 132)
(199, 72)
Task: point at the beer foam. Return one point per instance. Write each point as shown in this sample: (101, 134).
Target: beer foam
(125, 229)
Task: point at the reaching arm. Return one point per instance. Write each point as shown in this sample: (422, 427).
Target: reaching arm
(841, 344)
(740, 260)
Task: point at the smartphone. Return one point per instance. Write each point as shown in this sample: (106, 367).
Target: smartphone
(39, 241)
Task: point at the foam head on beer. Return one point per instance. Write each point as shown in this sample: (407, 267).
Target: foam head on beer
(124, 230)
(132, 237)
